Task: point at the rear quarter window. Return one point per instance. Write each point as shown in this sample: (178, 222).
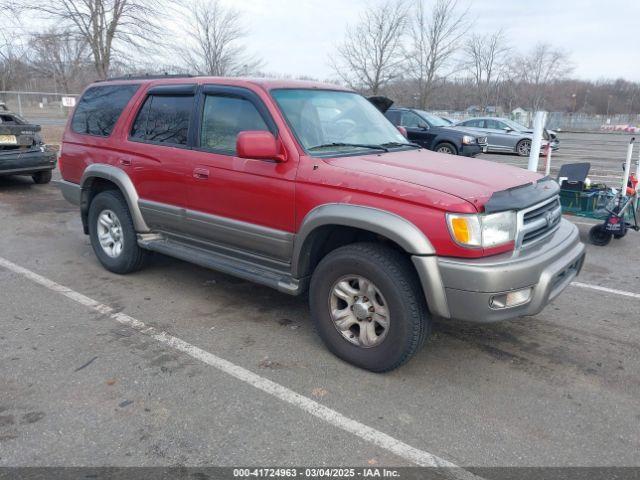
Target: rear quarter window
(100, 107)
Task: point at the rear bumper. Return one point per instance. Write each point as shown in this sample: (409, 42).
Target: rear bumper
(465, 288)
(26, 162)
(70, 191)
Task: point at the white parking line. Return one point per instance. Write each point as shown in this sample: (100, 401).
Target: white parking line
(606, 289)
(364, 432)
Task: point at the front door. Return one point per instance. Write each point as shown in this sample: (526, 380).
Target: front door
(243, 205)
(417, 129)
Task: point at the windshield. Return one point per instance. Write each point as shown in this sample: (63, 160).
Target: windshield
(515, 125)
(433, 120)
(329, 122)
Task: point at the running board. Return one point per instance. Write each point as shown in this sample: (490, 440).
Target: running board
(252, 272)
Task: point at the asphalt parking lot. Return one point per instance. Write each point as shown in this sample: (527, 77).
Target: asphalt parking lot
(179, 365)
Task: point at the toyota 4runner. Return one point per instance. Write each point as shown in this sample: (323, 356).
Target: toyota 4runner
(308, 187)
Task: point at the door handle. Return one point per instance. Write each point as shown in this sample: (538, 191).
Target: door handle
(125, 162)
(201, 173)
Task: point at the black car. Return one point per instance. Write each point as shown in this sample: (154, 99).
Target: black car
(436, 134)
(22, 151)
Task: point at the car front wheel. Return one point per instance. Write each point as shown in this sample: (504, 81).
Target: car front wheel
(113, 237)
(446, 148)
(368, 307)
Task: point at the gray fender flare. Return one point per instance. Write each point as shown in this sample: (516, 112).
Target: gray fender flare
(381, 222)
(387, 224)
(122, 181)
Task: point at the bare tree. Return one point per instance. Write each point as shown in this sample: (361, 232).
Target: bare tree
(538, 69)
(371, 54)
(60, 55)
(216, 33)
(435, 37)
(484, 58)
(107, 26)
(14, 61)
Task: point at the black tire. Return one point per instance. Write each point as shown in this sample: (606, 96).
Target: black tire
(446, 147)
(599, 236)
(42, 177)
(132, 257)
(523, 148)
(393, 274)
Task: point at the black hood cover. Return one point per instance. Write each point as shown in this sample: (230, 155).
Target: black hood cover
(523, 196)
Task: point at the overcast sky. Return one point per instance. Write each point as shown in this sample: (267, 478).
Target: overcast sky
(297, 36)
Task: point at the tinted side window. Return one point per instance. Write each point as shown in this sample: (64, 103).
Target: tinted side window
(494, 124)
(164, 119)
(411, 120)
(223, 118)
(394, 117)
(474, 123)
(100, 107)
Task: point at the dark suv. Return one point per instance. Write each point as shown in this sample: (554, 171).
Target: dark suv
(436, 134)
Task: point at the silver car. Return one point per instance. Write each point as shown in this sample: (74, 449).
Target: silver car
(507, 136)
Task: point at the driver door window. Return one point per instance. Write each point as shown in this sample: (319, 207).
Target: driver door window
(224, 118)
(411, 120)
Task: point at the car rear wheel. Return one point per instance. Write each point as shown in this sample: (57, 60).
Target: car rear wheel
(523, 148)
(113, 237)
(41, 178)
(447, 148)
(368, 307)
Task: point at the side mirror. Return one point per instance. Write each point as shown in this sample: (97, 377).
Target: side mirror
(259, 145)
(403, 131)
(423, 126)
(508, 129)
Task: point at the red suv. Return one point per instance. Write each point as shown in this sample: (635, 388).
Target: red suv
(308, 187)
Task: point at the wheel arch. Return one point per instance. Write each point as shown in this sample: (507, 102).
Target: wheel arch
(99, 177)
(323, 221)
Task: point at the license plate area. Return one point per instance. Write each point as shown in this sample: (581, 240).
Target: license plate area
(8, 140)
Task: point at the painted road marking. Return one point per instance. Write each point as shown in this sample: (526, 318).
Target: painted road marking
(364, 432)
(606, 289)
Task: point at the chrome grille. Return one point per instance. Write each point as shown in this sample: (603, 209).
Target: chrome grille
(538, 221)
(482, 140)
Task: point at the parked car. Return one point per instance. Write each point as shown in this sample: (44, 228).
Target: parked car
(22, 151)
(306, 187)
(434, 133)
(504, 135)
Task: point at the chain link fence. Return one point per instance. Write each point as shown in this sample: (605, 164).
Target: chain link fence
(572, 122)
(44, 108)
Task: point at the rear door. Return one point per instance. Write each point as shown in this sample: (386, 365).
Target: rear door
(156, 155)
(243, 205)
(497, 135)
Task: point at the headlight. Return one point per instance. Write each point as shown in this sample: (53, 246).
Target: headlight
(479, 230)
(468, 139)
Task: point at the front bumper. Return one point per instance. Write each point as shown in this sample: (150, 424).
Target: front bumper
(25, 162)
(471, 150)
(465, 288)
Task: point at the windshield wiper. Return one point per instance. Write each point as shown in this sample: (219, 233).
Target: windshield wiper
(401, 144)
(340, 144)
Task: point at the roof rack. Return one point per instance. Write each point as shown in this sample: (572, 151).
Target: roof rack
(147, 77)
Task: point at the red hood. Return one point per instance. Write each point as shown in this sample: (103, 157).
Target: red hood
(471, 179)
